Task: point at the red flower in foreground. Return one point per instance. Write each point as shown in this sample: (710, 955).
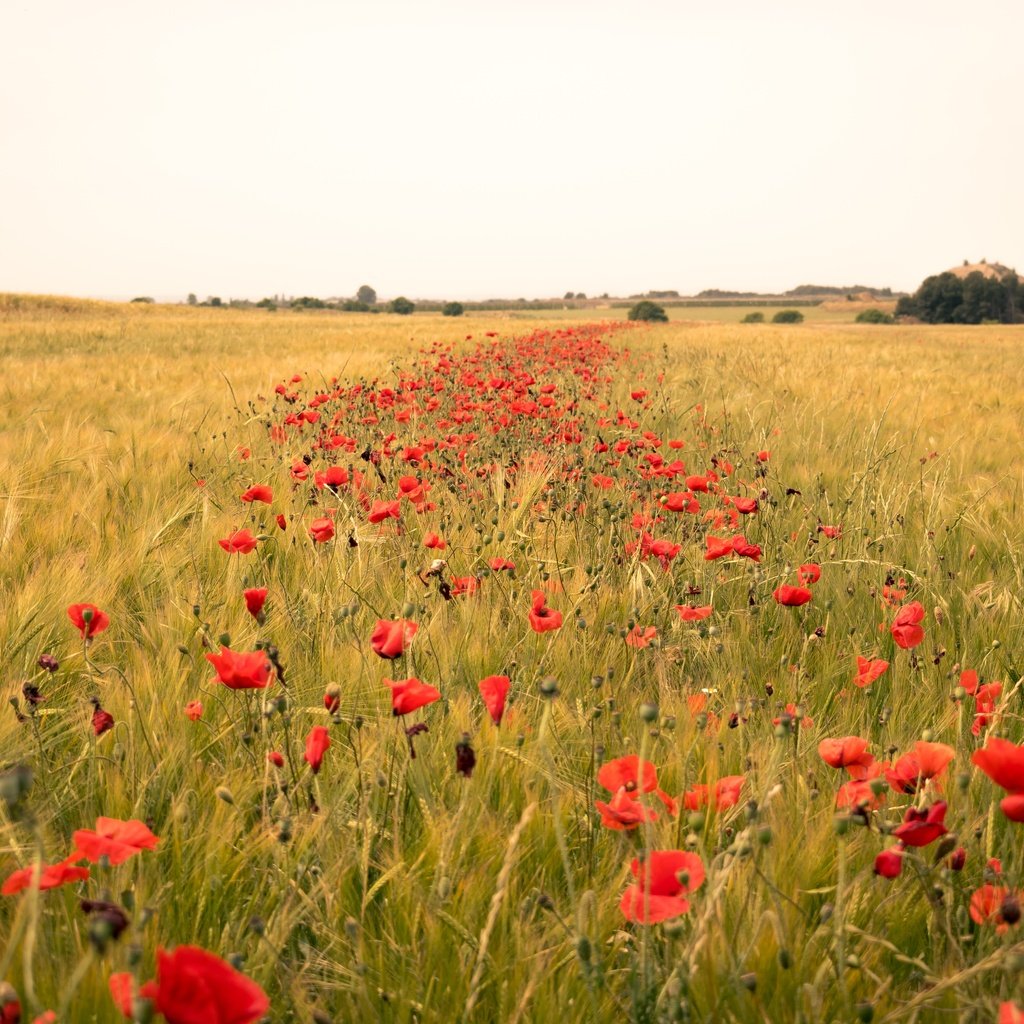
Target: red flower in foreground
(254, 598)
(410, 694)
(543, 619)
(88, 619)
(501, 565)
(868, 670)
(927, 761)
(241, 671)
(195, 987)
(432, 540)
(389, 639)
(990, 902)
(259, 492)
(889, 863)
(241, 542)
(624, 812)
(1003, 762)
(52, 876)
(381, 510)
(494, 691)
(725, 793)
(194, 710)
(849, 752)
(661, 883)
(921, 827)
(792, 597)
(693, 613)
(629, 775)
(640, 638)
(321, 530)
(317, 743)
(810, 573)
(114, 839)
(906, 630)
(1010, 1014)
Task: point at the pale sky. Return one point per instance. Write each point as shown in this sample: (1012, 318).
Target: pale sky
(456, 149)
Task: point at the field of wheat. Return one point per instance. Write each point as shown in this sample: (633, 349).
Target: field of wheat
(417, 669)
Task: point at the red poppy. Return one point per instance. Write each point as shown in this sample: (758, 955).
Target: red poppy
(985, 705)
(624, 812)
(389, 639)
(641, 638)
(114, 839)
(193, 986)
(494, 691)
(987, 904)
(431, 540)
(52, 876)
(717, 547)
(464, 585)
(849, 752)
(889, 863)
(868, 670)
(241, 542)
(543, 619)
(927, 761)
(906, 630)
(102, 721)
(276, 759)
(745, 549)
(794, 716)
(809, 574)
(832, 532)
(661, 882)
(381, 510)
(317, 743)
(745, 506)
(322, 529)
(725, 793)
(922, 826)
(858, 793)
(194, 710)
(693, 613)
(88, 619)
(410, 694)
(254, 598)
(1003, 762)
(259, 492)
(1013, 806)
(792, 597)
(282, 523)
(501, 565)
(1010, 1014)
(626, 773)
(237, 670)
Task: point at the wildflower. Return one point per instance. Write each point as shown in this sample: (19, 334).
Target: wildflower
(809, 574)
(317, 743)
(849, 752)
(321, 530)
(114, 839)
(640, 638)
(543, 619)
(868, 670)
(921, 827)
(927, 761)
(905, 629)
(693, 613)
(259, 492)
(792, 597)
(724, 793)
(102, 721)
(194, 710)
(661, 884)
(889, 863)
(241, 542)
(494, 691)
(390, 638)
(51, 876)
(624, 812)
(254, 599)
(241, 671)
(410, 694)
(88, 619)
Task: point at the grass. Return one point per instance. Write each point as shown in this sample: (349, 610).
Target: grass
(393, 889)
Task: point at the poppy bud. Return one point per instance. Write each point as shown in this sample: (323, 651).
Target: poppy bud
(1009, 910)
(48, 662)
(749, 982)
(223, 793)
(465, 757)
(889, 863)
(332, 698)
(649, 712)
(958, 859)
(865, 1013)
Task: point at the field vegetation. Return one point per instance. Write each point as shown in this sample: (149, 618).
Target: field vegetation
(564, 697)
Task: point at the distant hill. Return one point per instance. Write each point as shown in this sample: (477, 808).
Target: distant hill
(994, 270)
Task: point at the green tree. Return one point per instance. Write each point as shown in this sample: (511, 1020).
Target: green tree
(873, 316)
(649, 311)
(366, 294)
(402, 306)
(452, 309)
(753, 318)
(788, 316)
(192, 300)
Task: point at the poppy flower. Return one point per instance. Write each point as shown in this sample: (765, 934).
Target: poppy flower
(193, 985)
(321, 530)
(745, 549)
(410, 694)
(88, 619)
(792, 597)
(832, 532)
(681, 501)
(988, 904)
(282, 523)
(194, 710)
(906, 630)
(543, 619)
(724, 793)
(922, 826)
(849, 752)
(624, 812)
(794, 716)
(114, 839)
(241, 542)
(889, 863)
(859, 794)
(1003, 762)
(1010, 1014)
(627, 773)
(985, 705)
(52, 875)
(641, 638)
(102, 721)
(259, 492)
(745, 506)
(868, 670)
(927, 761)
(254, 598)
(317, 743)
(717, 547)
(661, 884)
(389, 639)
(332, 478)
(494, 691)
(276, 758)
(809, 574)
(693, 613)
(501, 565)
(239, 670)
(464, 585)
(381, 510)
(432, 540)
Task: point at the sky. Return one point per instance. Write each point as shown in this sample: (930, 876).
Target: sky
(452, 149)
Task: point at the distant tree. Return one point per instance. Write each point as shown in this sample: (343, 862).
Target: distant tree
(948, 299)
(266, 304)
(753, 318)
(192, 300)
(452, 309)
(647, 310)
(366, 294)
(144, 298)
(569, 295)
(308, 302)
(214, 300)
(355, 306)
(788, 316)
(873, 316)
(402, 306)
(581, 295)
